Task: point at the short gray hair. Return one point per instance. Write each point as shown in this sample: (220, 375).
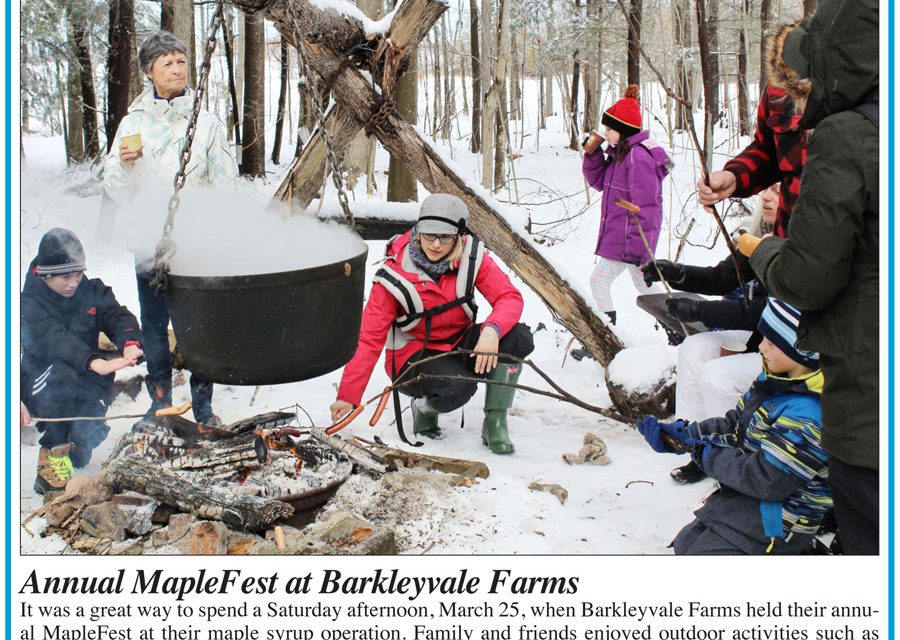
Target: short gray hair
(157, 44)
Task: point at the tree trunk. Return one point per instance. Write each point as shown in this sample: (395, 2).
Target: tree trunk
(744, 116)
(177, 16)
(23, 83)
(492, 97)
(573, 94)
(766, 25)
(475, 139)
(590, 73)
(118, 64)
(82, 59)
(234, 116)
(253, 152)
(681, 22)
(634, 42)
(282, 98)
(515, 86)
(449, 89)
(75, 129)
(402, 183)
(548, 70)
(358, 158)
(707, 28)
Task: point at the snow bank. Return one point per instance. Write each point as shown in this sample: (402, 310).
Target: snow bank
(639, 369)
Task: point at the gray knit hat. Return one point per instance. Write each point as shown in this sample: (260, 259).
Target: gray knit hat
(442, 214)
(59, 253)
(157, 44)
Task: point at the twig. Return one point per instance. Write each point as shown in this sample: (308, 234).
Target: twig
(684, 239)
(631, 482)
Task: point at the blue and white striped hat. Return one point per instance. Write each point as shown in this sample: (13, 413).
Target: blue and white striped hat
(779, 324)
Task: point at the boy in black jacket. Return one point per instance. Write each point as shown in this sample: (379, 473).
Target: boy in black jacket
(63, 373)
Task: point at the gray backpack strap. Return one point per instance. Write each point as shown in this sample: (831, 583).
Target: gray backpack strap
(469, 265)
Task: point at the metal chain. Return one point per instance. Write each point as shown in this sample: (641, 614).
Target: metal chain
(336, 175)
(166, 247)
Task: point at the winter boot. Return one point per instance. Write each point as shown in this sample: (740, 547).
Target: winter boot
(54, 469)
(687, 474)
(498, 398)
(425, 418)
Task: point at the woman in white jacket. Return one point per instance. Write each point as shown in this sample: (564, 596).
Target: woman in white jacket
(161, 115)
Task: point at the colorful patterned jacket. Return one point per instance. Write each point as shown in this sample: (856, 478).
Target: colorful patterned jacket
(162, 125)
(768, 458)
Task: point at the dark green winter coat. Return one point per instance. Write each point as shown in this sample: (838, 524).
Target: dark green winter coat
(828, 265)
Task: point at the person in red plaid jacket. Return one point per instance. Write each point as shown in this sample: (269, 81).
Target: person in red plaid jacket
(777, 153)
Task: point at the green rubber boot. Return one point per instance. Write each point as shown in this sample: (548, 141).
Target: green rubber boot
(498, 398)
(425, 418)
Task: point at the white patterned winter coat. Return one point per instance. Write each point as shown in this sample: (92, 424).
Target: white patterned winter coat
(163, 125)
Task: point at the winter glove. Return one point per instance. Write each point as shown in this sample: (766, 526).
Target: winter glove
(684, 309)
(747, 244)
(671, 271)
(681, 433)
(701, 454)
(649, 427)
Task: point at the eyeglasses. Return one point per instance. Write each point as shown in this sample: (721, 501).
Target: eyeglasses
(445, 240)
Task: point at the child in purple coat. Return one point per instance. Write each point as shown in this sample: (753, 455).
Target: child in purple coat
(632, 169)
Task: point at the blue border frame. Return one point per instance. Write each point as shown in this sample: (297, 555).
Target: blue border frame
(7, 284)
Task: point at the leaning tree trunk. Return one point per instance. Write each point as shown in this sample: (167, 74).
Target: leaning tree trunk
(475, 138)
(327, 32)
(177, 16)
(253, 151)
(118, 65)
(634, 42)
(282, 98)
(707, 30)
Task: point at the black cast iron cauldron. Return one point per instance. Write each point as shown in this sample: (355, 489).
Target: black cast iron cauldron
(270, 328)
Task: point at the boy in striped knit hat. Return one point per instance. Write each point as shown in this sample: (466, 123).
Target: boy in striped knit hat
(766, 454)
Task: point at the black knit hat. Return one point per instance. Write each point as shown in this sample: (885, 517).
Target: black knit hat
(59, 253)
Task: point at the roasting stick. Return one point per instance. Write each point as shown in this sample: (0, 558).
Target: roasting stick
(160, 413)
(633, 209)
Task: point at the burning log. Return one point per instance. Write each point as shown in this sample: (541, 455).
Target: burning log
(223, 458)
(249, 513)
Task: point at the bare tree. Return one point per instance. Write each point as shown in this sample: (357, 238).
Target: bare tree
(590, 70)
(743, 46)
(80, 57)
(402, 183)
(177, 16)
(253, 150)
(573, 93)
(634, 42)
(765, 30)
(681, 23)
(475, 139)
(74, 137)
(707, 30)
(118, 65)
(492, 98)
(234, 114)
(282, 98)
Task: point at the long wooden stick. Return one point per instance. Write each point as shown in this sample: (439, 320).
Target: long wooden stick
(633, 209)
(160, 413)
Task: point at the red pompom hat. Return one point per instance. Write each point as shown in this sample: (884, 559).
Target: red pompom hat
(625, 115)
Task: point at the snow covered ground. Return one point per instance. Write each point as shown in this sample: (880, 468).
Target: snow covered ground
(630, 506)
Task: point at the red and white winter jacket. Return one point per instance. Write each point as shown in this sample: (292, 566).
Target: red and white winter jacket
(447, 328)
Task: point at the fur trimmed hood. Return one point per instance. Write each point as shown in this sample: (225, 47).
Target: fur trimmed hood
(780, 75)
(841, 49)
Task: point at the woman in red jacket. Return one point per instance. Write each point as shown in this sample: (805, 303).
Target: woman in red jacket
(422, 303)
